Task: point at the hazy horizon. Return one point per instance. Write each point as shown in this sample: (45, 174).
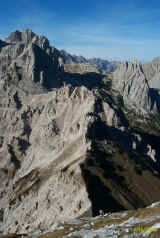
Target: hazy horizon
(120, 30)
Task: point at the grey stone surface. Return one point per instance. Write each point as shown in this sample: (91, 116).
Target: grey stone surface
(139, 84)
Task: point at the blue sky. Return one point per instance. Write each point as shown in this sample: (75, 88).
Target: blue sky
(114, 30)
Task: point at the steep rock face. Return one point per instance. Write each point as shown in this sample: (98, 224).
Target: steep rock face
(152, 73)
(131, 82)
(66, 152)
(152, 70)
(29, 61)
(139, 84)
(45, 137)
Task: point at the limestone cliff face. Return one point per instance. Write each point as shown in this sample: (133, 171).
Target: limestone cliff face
(29, 61)
(67, 148)
(45, 137)
(139, 84)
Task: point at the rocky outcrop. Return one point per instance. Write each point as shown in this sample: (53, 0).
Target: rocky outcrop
(17, 36)
(139, 84)
(29, 61)
(46, 136)
(67, 148)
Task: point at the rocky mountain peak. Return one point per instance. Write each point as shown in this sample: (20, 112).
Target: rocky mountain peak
(29, 59)
(130, 66)
(41, 41)
(14, 37)
(25, 36)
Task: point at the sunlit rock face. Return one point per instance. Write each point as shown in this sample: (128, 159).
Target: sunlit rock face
(139, 84)
(28, 60)
(67, 145)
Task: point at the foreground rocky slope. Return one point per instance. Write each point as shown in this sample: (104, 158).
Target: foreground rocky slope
(68, 146)
(140, 223)
(128, 224)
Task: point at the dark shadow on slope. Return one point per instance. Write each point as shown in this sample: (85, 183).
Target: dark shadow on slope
(23, 145)
(125, 139)
(154, 98)
(3, 44)
(100, 196)
(14, 160)
(111, 162)
(89, 80)
(107, 188)
(17, 101)
(45, 70)
(107, 171)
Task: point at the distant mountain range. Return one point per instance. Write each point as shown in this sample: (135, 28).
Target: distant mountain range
(110, 66)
